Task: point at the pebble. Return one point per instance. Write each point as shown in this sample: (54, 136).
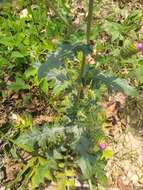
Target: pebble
(2, 188)
(135, 179)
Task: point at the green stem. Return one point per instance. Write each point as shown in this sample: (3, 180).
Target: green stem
(90, 184)
(89, 20)
(88, 30)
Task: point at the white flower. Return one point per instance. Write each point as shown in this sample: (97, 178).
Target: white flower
(24, 13)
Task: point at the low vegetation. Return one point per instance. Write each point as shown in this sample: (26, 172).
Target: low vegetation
(63, 60)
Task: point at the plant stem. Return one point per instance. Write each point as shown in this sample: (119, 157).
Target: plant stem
(82, 67)
(89, 20)
(88, 30)
(90, 184)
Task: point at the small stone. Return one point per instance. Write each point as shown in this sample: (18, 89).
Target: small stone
(14, 116)
(2, 188)
(134, 179)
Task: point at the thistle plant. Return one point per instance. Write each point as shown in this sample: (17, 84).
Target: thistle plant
(72, 145)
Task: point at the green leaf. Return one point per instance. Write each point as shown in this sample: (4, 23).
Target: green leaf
(58, 75)
(26, 167)
(122, 85)
(99, 135)
(114, 84)
(3, 61)
(138, 72)
(19, 84)
(30, 72)
(82, 145)
(40, 173)
(21, 188)
(69, 50)
(65, 51)
(61, 181)
(114, 29)
(57, 155)
(7, 41)
(60, 88)
(27, 140)
(133, 21)
(44, 85)
(71, 177)
(107, 154)
(16, 54)
(52, 63)
(102, 178)
(128, 49)
(85, 166)
(100, 172)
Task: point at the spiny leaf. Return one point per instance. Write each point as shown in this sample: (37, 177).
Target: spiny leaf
(28, 140)
(114, 84)
(65, 51)
(122, 85)
(82, 145)
(85, 165)
(53, 62)
(59, 76)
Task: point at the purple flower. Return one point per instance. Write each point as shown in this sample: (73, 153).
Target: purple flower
(102, 146)
(139, 46)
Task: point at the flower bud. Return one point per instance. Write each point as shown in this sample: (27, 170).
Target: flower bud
(139, 46)
(102, 146)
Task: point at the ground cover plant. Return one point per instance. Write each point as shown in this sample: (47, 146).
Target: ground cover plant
(43, 52)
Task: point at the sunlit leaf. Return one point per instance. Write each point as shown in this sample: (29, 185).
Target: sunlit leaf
(40, 173)
(44, 85)
(19, 84)
(31, 71)
(17, 54)
(27, 140)
(107, 154)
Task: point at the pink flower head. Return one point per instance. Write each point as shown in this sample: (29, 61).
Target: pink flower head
(139, 46)
(102, 146)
